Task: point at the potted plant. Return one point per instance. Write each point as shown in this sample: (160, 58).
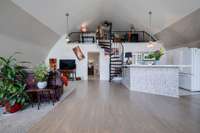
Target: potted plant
(41, 73)
(12, 84)
(156, 55)
(16, 98)
(2, 93)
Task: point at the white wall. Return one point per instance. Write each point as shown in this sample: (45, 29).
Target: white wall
(61, 50)
(30, 52)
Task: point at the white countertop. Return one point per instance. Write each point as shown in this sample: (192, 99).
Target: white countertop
(158, 66)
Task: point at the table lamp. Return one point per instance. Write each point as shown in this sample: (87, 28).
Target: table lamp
(128, 55)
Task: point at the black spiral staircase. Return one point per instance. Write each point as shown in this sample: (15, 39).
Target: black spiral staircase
(115, 50)
(116, 60)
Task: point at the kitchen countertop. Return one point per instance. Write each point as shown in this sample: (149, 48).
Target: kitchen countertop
(158, 66)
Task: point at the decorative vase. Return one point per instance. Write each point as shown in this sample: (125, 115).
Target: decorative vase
(42, 85)
(12, 109)
(157, 62)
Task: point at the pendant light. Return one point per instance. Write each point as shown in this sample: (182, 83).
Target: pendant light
(67, 29)
(150, 44)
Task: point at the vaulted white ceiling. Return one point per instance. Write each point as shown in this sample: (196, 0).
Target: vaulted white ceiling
(20, 32)
(33, 26)
(121, 13)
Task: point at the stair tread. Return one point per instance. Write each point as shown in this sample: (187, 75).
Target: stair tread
(115, 72)
(116, 64)
(115, 57)
(120, 67)
(120, 71)
(104, 41)
(105, 48)
(104, 44)
(116, 60)
(117, 75)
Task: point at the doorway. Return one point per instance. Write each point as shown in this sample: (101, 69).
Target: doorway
(93, 66)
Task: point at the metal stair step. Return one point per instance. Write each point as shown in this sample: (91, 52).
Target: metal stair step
(116, 64)
(104, 44)
(115, 57)
(104, 41)
(116, 60)
(116, 67)
(105, 47)
(116, 75)
(119, 65)
(116, 72)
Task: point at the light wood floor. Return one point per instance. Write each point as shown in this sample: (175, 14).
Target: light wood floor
(101, 107)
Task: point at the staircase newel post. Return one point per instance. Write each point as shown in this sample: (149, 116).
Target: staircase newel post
(110, 52)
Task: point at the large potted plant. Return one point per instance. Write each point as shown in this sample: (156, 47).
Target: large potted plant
(12, 84)
(41, 74)
(16, 97)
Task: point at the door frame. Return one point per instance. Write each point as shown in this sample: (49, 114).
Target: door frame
(91, 52)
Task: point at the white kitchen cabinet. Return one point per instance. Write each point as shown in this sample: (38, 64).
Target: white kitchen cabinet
(189, 78)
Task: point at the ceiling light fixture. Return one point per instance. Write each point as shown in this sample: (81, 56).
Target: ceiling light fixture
(151, 43)
(67, 38)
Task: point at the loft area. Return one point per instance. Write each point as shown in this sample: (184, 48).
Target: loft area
(117, 36)
(103, 32)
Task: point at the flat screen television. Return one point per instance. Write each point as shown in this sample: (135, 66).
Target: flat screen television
(67, 64)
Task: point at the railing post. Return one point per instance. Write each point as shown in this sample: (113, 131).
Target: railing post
(110, 37)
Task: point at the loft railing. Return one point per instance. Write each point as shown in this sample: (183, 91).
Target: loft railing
(117, 36)
(143, 36)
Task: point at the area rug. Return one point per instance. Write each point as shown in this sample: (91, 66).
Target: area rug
(21, 121)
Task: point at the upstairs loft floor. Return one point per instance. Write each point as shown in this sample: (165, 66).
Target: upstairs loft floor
(103, 107)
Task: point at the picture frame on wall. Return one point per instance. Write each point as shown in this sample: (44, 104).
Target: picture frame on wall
(78, 52)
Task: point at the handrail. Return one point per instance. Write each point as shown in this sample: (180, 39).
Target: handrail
(152, 37)
(78, 32)
(143, 33)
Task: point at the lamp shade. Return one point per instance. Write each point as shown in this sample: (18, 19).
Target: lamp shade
(128, 54)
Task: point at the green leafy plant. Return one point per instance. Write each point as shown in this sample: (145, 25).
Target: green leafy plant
(156, 54)
(12, 84)
(41, 72)
(14, 93)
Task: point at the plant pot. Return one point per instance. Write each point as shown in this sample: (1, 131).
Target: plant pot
(157, 62)
(1, 103)
(42, 85)
(12, 109)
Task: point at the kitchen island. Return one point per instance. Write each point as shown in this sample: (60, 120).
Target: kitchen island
(154, 79)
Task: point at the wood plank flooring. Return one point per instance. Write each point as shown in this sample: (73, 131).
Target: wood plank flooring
(103, 107)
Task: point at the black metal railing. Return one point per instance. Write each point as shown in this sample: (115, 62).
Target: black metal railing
(117, 36)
